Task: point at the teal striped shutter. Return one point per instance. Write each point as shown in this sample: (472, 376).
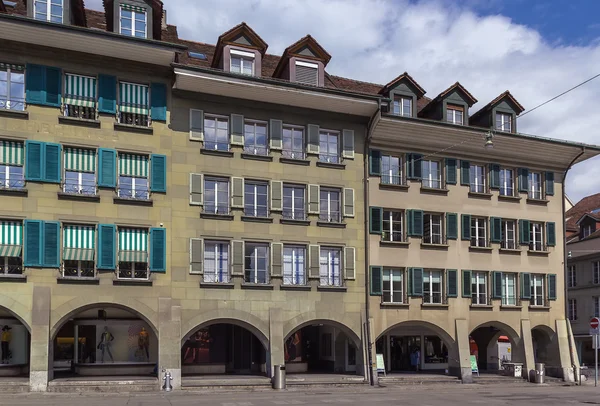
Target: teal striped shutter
(11, 153)
(158, 99)
(51, 244)
(33, 160)
(11, 238)
(34, 84)
(106, 247)
(107, 94)
(32, 248)
(79, 242)
(158, 250)
(80, 160)
(107, 168)
(133, 165)
(52, 163)
(133, 98)
(133, 245)
(80, 90)
(53, 86)
(159, 173)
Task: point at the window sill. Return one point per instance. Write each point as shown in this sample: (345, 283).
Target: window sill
(133, 282)
(79, 121)
(514, 199)
(257, 286)
(23, 115)
(331, 224)
(513, 251)
(74, 196)
(330, 165)
(481, 307)
(539, 308)
(509, 307)
(217, 285)
(133, 202)
(228, 217)
(332, 289)
(66, 280)
(216, 152)
(15, 192)
(253, 219)
(478, 195)
(295, 222)
(292, 161)
(394, 243)
(541, 202)
(480, 249)
(133, 128)
(19, 278)
(394, 305)
(434, 306)
(538, 253)
(305, 288)
(265, 158)
(434, 191)
(391, 186)
(425, 245)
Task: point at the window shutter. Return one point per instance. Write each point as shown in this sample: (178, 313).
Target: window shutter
(451, 226)
(196, 125)
(450, 171)
(107, 251)
(107, 94)
(349, 263)
(34, 151)
(237, 192)
(524, 232)
(51, 244)
(314, 252)
(417, 223)
(276, 133)
(552, 287)
(375, 220)
(452, 283)
(32, 247)
(52, 163)
(348, 144)
(376, 280)
(313, 199)
(158, 250)
(466, 227)
(465, 173)
(276, 258)
(466, 283)
(237, 263)
(525, 285)
(158, 101)
(196, 255)
(107, 168)
(237, 129)
(550, 183)
(497, 285)
(496, 229)
(196, 187)
(416, 281)
(276, 195)
(550, 234)
(348, 202)
(494, 176)
(374, 162)
(523, 175)
(414, 165)
(159, 173)
(35, 92)
(313, 139)
(53, 86)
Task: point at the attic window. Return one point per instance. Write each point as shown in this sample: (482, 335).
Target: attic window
(48, 10)
(307, 73)
(197, 55)
(242, 62)
(455, 114)
(133, 21)
(10, 3)
(503, 122)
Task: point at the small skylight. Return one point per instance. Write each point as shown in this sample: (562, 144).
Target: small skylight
(197, 55)
(10, 3)
(595, 211)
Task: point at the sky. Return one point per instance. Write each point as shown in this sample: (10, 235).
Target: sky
(535, 49)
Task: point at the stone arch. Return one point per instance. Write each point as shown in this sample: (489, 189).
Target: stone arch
(545, 345)
(486, 336)
(20, 312)
(447, 337)
(512, 334)
(308, 318)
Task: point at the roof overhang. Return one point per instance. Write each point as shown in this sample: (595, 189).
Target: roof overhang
(225, 84)
(80, 39)
(444, 139)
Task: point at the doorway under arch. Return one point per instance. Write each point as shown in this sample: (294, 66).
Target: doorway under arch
(493, 344)
(15, 342)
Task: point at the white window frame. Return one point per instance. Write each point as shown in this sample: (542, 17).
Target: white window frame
(428, 275)
(245, 58)
(80, 185)
(326, 156)
(294, 208)
(535, 186)
(477, 183)
(572, 309)
(333, 270)
(386, 166)
(330, 218)
(479, 227)
(509, 234)
(456, 113)
(132, 270)
(255, 248)
(7, 177)
(217, 118)
(429, 181)
(133, 16)
(571, 276)
(507, 298)
(49, 10)
(596, 306)
(536, 236)
(431, 235)
(79, 268)
(216, 278)
(292, 153)
(9, 97)
(506, 188)
(253, 211)
(391, 223)
(586, 230)
(216, 203)
(596, 272)
(534, 289)
(479, 279)
(298, 275)
(399, 103)
(255, 149)
(505, 122)
(394, 298)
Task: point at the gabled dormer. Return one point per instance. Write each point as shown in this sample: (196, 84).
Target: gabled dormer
(240, 50)
(135, 18)
(501, 114)
(303, 62)
(68, 12)
(452, 106)
(403, 92)
(588, 223)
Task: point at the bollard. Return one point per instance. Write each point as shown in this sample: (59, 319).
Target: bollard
(167, 387)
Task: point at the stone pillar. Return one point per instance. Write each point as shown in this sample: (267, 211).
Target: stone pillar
(463, 351)
(372, 348)
(562, 334)
(40, 370)
(169, 340)
(526, 351)
(574, 353)
(275, 352)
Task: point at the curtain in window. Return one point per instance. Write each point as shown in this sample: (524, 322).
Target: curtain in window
(11, 238)
(80, 90)
(133, 245)
(11, 153)
(133, 98)
(78, 243)
(133, 165)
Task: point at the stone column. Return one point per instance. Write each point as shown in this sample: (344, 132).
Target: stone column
(562, 334)
(40, 369)
(526, 351)
(169, 340)
(463, 351)
(275, 352)
(373, 350)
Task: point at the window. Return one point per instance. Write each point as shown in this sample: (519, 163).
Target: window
(256, 199)
(293, 142)
(216, 262)
(436, 352)
(509, 292)
(80, 171)
(12, 87)
(432, 175)
(536, 243)
(256, 267)
(330, 205)
(392, 226)
(479, 232)
(393, 285)
(11, 165)
(216, 196)
(80, 97)
(587, 230)
(133, 177)
(571, 276)
(537, 290)
(197, 55)
(133, 21)
(294, 268)
(432, 228)
(535, 185)
(506, 182)
(293, 202)
(133, 104)
(596, 306)
(432, 287)
(596, 268)
(330, 267)
(329, 146)
(255, 138)
(307, 73)
(509, 241)
(391, 170)
(48, 10)
(454, 114)
(477, 178)
(242, 62)
(11, 265)
(402, 106)
(11, 244)
(133, 253)
(216, 133)
(572, 309)
(78, 251)
(479, 288)
(503, 122)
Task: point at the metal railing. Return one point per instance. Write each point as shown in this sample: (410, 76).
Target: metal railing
(395, 236)
(140, 120)
(486, 302)
(435, 298)
(219, 277)
(11, 269)
(289, 214)
(330, 158)
(480, 243)
(517, 301)
(256, 211)
(403, 298)
(538, 246)
(334, 280)
(12, 183)
(479, 188)
(134, 194)
(126, 273)
(434, 239)
(77, 271)
(296, 280)
(261, 150)
(216, 209)
(258, 276)
(397, 180)
(291, 154)
(216, 146)
(76, 188)
(508, 245)
(85, 113)
(542, 302)
(12, 104)
(330, 217)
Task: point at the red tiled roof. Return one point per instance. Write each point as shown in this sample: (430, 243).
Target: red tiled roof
(584, 206)
(307, 40)
(488, 106)
(406, 76)
(2, 7)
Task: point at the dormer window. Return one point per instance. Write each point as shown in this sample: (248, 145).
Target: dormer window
(132, 21)
(49, 10)
(242, 62)
(503, 122)
(455, 114)
(402, 106)
(307, 73)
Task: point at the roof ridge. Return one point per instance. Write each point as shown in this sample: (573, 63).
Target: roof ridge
(356, 80)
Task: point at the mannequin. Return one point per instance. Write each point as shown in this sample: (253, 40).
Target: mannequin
(4, 342)
(144, 342)
(105, 339)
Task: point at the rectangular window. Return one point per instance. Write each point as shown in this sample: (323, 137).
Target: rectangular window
(78, 251)
(596, 306)
(536, 234)
(307, 73)
(133, 177)
(432, 174)
(477, 178)
(216, 132)
(572, 309)
(11, 165)
(330, 205)
(535, 185)
(242, 62)
(216, 262)
(432, 287)
(293, 202)
(509, 241)
(587, 230)
(503, 122)
(256, 269)
(80, 97)
(256, 199)
(393, 226)
(402, 106)
(12, 87)
(391, 170)
(11, 247)
(255, 138)
(133, 253)
(571, 276)
(479, 232)
(537, 290)
(80, 171)
(330, 267)
(216, 195)
(294, 265)
(479, 283)
(48, 10)
(393, 285)
(596, 270)
(293, 142)
(454, 114)
(134, 104)
(506, 182)
(329, 146)
(432, 228)
(509, 291)
(133, 21)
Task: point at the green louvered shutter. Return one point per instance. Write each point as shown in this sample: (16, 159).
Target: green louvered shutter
(107, 248)
(465, 227)
(32, 247)
(35, 93)
(416, 281)
(53, 86)
(466, 283)
(52, 163)
(414, 164)
(465, 173)
(158, 100)
(523, 179)
(107, 94)
(107, 168)
(34, 152)
(524, 232)
(51, 244)
(374, 162)
(417, 223)
(375, 220)
(550, 234)
(159, 173)
(158, 250)
(497, 285)
(552, 287)
(549, 183)
(376, 280)
(451, 226)
(525, 285)
(495, 229)
(450, 171)
(452, 283)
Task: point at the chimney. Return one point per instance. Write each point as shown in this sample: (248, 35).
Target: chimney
(164, 20)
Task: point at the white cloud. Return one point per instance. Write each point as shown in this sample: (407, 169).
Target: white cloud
(437, 43)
